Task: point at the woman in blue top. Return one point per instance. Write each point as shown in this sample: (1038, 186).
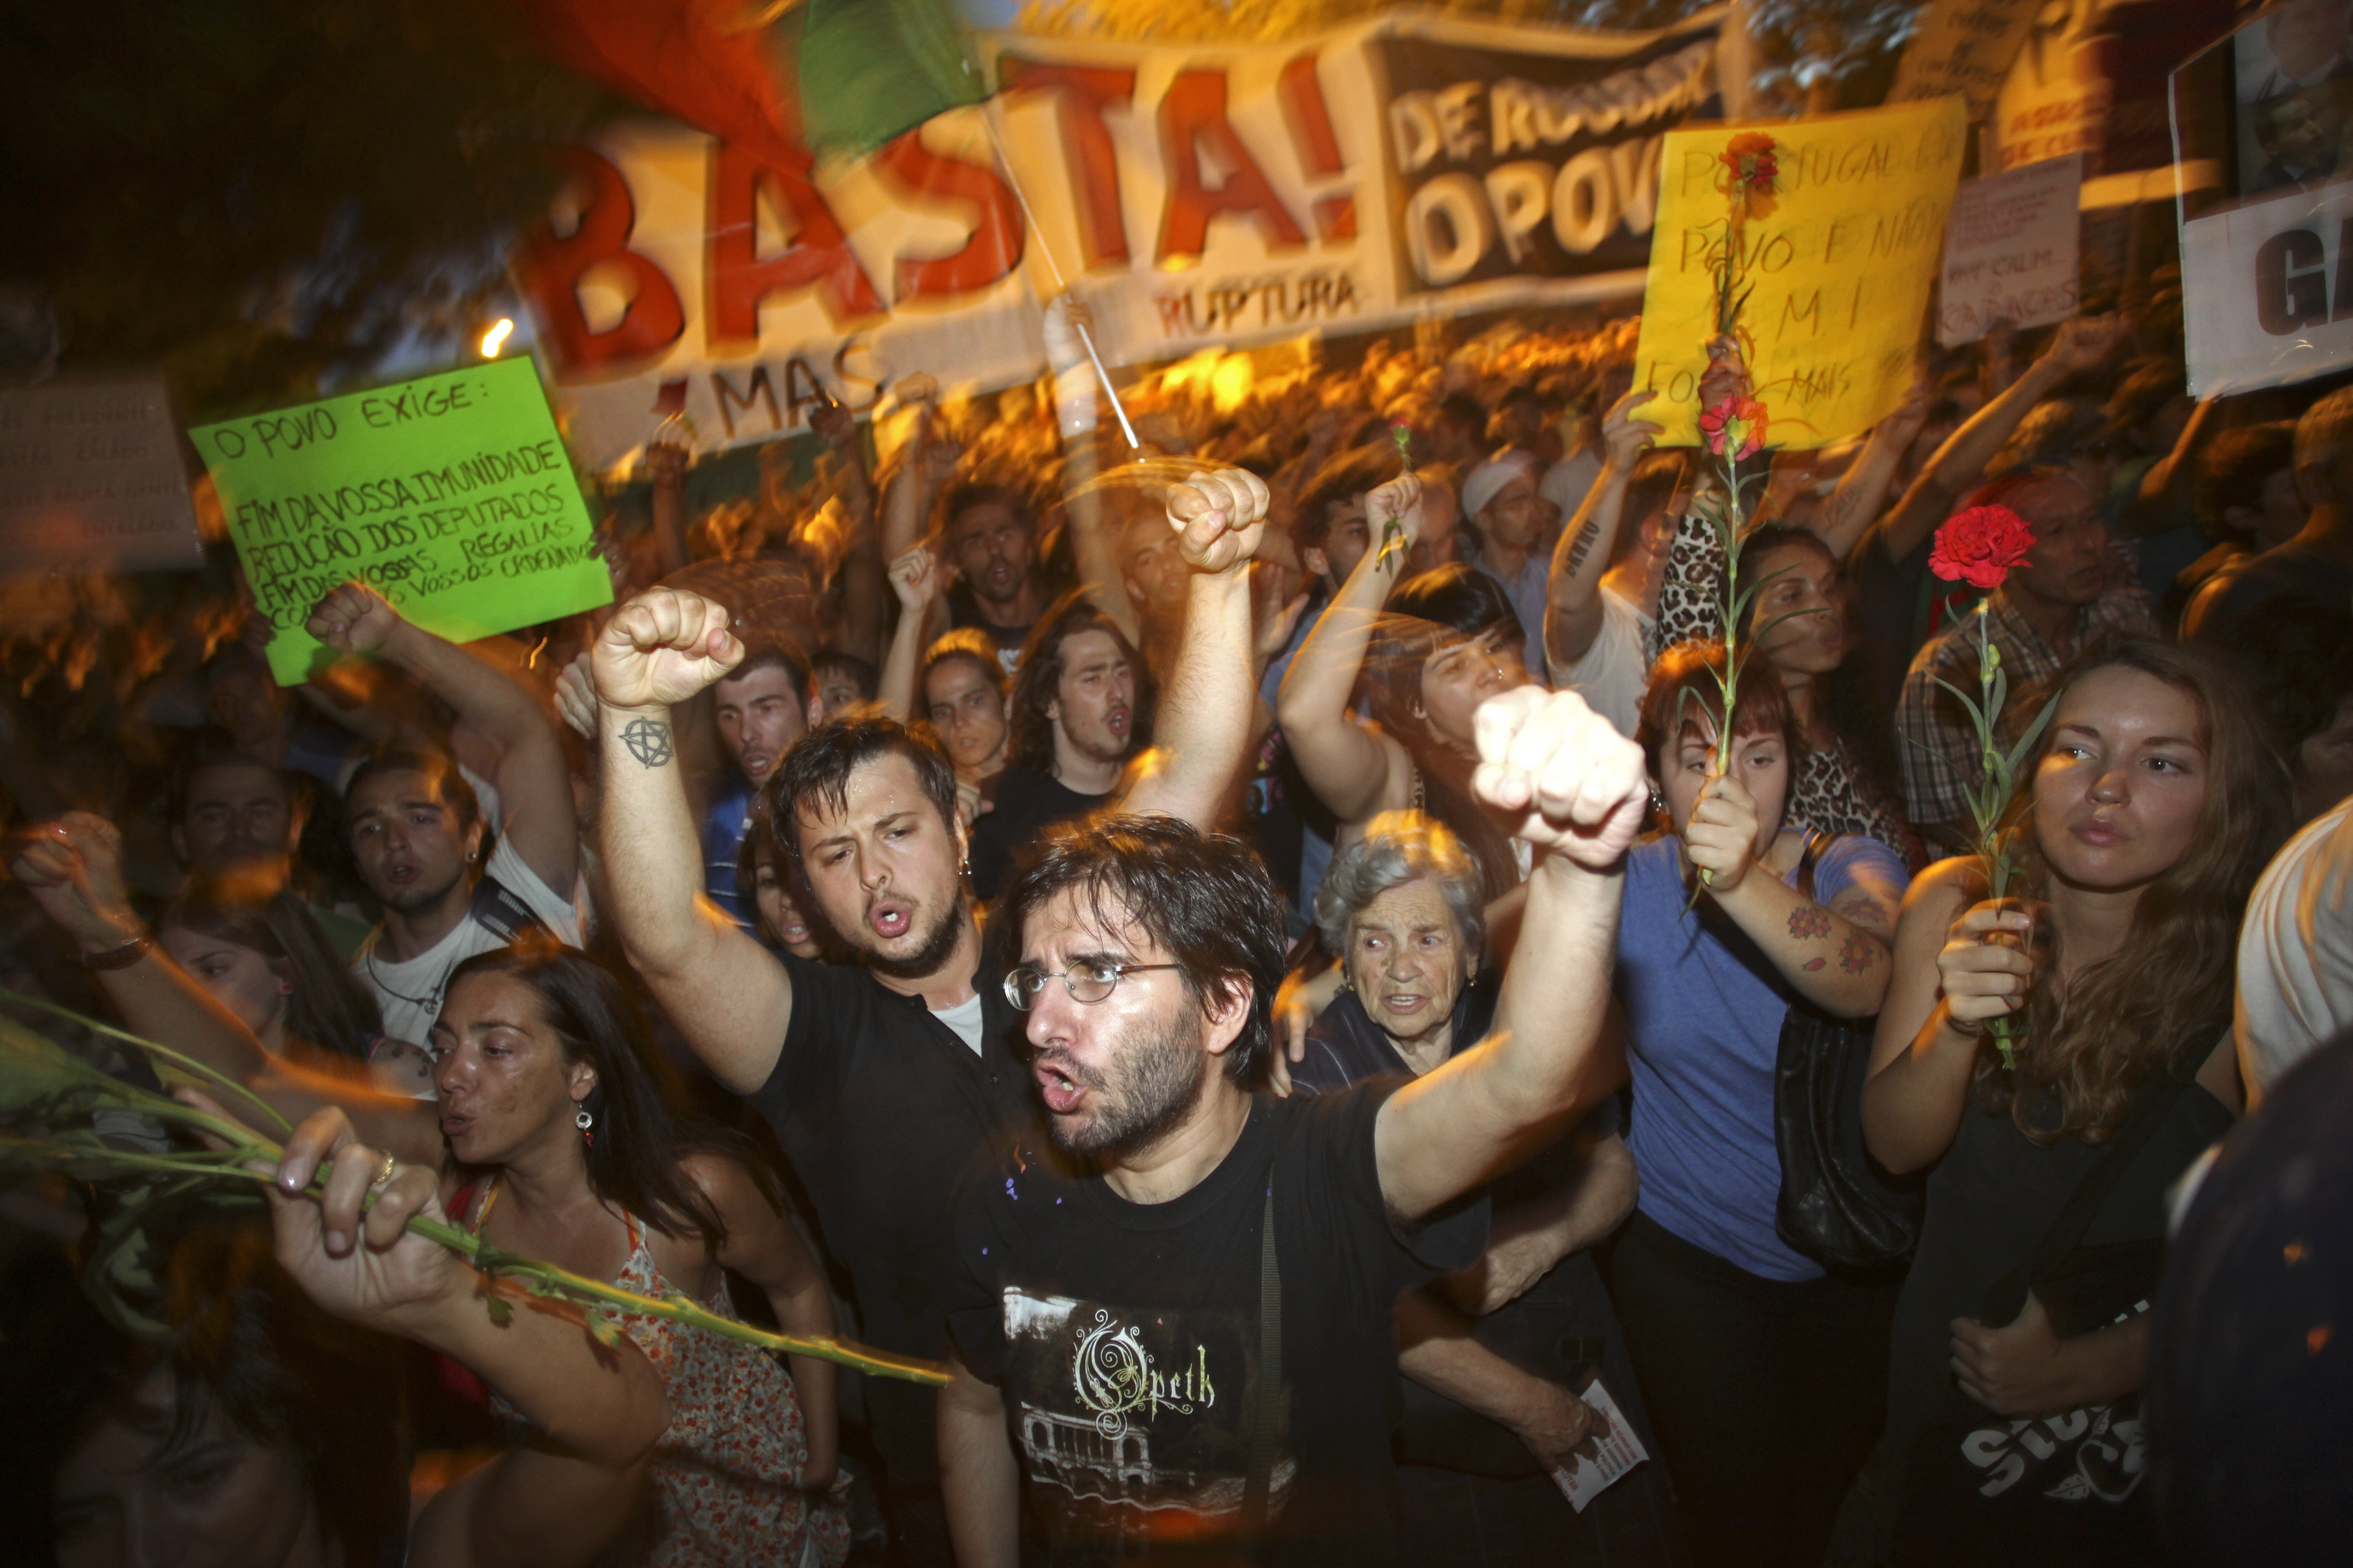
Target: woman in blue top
(1763, 1374)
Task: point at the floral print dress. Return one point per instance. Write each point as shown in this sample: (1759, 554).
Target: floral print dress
(723, 1471)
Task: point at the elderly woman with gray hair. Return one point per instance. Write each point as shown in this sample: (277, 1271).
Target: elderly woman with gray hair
(1496, 1357)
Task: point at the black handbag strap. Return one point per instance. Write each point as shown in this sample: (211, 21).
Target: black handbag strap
(1266, 1417)
(2083, 1206)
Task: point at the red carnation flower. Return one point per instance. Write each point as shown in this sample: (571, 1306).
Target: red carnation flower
(1737, 424)
(1980, 545)
(1751, 159)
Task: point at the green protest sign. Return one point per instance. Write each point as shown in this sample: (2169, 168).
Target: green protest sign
(451, 494)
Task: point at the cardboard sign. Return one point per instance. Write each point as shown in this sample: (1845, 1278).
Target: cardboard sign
(2010, 250)
(452, 495)
(1964, 47)
(90, 480)
(1841, 267)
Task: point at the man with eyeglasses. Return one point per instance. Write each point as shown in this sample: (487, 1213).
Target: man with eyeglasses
(1185, 1303)
(890, 1084)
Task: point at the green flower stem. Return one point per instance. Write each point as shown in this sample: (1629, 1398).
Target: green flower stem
(69, 1087)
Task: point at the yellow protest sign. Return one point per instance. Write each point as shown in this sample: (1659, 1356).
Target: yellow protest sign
(1841, 267)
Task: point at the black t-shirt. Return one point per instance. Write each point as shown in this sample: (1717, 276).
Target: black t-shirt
(1027, 803)
(1125, 1338)
(964, 610)
(890, 1119)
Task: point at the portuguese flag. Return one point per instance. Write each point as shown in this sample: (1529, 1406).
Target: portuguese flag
(787, 77)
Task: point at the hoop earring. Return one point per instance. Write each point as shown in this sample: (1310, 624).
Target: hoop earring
(586, 1124)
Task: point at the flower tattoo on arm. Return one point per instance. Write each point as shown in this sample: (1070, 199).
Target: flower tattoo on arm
(1857, 953)
(1809, 921)
(648, 742)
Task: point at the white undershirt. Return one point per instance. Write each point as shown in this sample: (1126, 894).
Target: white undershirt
(965, 1019)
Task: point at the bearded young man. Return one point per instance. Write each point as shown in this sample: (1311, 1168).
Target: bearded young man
(1077, 715)
(1188, 1314)
(892, 1085)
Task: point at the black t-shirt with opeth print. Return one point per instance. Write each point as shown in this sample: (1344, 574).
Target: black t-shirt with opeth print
(1125, 1338)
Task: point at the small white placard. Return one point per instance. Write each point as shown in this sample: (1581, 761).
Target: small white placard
(2011, 250)
(1619, 1451)
(92, 481)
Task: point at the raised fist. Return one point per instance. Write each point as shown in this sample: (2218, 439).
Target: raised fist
(354, 618)
(915, 578)
(1563, 776)
(661, 647)
(1218, 517)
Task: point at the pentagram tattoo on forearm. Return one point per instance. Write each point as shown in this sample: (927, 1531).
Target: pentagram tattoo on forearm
(648, 742)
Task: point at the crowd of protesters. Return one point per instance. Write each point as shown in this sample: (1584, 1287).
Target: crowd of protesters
(1261, 961)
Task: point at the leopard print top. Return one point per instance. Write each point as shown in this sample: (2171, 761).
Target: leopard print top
(1828, 793)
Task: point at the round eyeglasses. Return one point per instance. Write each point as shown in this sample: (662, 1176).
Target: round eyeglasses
(1084, 981)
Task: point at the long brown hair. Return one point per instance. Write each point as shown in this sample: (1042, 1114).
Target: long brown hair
(2161, 1000)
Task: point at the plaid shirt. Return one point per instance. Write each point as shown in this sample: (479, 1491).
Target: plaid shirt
(1936, 742)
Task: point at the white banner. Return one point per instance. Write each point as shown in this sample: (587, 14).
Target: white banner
(1191, 195)
(2267, 291)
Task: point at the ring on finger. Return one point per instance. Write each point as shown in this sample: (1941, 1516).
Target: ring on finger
(382, 1178)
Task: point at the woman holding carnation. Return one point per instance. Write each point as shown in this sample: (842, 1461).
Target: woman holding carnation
(556, 1135)
(1844, 778)
(2149, 813)
(1761, 1371)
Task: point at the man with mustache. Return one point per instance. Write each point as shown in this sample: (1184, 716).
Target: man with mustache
(891, 1085)
(1188, 1314)
(233, 815)
(1076, 719)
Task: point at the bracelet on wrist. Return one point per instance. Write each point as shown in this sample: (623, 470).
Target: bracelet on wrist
(123, 957)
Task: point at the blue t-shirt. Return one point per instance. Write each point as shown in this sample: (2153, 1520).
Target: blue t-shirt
(1704, 1009)
(724, 826)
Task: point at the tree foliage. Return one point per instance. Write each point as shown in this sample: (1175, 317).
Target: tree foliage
(261, 195)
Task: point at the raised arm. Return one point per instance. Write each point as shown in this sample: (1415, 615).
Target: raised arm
(1209, 710)
(1575, 788)
(923, 470)
(534, 784)
(73, 868)
(2080, 344)
(1342, 762)
(1573, 594)
(1862, 489)
(726, 994)
(915, 582)
(2162, 501)
(595, 1413)
(864, 600)
(664, 465)
(1833, 963)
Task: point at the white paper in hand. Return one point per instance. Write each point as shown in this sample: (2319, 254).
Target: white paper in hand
(1619, 1451)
